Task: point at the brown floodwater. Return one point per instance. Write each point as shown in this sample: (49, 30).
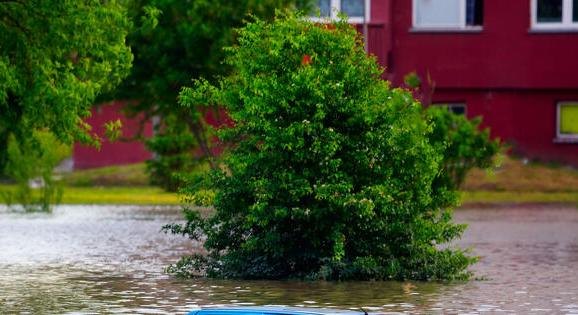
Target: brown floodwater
(103, 259)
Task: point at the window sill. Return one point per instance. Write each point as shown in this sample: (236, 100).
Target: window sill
(467, 30)
(328, 20)
(566, 140)
(561, 30)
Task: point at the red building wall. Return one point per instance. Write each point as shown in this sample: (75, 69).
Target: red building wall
(507, 73)
(524, 119)
(505, 54)
(119, 152)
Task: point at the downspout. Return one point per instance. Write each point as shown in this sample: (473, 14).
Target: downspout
(365, 26)
(389, 53)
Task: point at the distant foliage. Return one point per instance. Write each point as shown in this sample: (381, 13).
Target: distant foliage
(332, 173)
(412, 80)
(35, 160)
(175, 41)
(464, 144)
(174, 146)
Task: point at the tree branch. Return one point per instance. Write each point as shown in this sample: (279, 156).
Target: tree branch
(8, 21)
(196, 129)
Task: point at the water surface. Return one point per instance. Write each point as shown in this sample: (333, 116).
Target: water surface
(103, 259)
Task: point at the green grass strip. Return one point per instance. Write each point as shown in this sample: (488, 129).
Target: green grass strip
(500, 197)
(147, 195)
(112, 195)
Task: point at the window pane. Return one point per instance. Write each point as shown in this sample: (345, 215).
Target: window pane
(474, 12)
(353, 8)
(324, 8)
(457, 109)
(549, 11)
(437, 13)
(575, 11)
(569, 119)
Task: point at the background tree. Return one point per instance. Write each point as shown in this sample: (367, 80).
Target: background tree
(465, 145)
(174, 42)
(55, 58)
(332, 172)
(35, 159)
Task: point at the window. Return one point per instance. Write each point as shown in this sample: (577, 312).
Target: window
(324, 8)
(555, 14)
(448, 14)
(456, 108)
(356, 10)
(567, 121)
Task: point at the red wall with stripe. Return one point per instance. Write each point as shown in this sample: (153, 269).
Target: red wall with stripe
(113, 153)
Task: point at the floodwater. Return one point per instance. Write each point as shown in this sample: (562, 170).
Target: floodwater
(103, 259)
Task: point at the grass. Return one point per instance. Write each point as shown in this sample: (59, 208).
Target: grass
(502, 197)
(119, 195)
(112, 195)
(516, 175)
(122, 184)
(519, 181)
(121, 175)
(515, 181)
(155, 196)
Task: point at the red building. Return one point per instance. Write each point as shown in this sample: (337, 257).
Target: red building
(130, 148)
(123, 151)
(514, 62)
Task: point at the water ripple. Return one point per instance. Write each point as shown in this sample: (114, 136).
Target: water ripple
(93, 260)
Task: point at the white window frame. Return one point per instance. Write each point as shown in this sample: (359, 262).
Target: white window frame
(566, 23)
(336, 8)
(560, 137)
(462, 25)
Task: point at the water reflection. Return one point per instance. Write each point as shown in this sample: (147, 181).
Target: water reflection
(86, 260)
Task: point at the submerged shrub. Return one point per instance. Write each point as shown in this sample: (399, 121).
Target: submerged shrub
(35, 159)
(331, 171)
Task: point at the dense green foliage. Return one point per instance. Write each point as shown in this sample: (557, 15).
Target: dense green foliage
(173, 42)
(175, 148)
(332, 172)
(463, 143)
(55, 58)
(34, 159)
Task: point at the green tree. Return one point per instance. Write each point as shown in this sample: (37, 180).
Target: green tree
(35, 159)
(55, 58)
(173, 42)
(464, 144)
(332, 173)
